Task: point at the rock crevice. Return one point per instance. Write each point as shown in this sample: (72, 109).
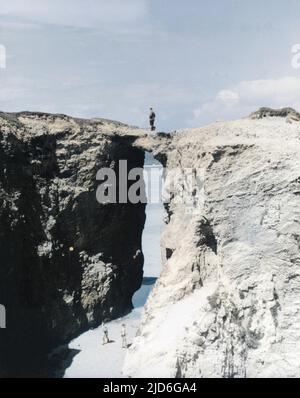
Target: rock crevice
(227, 302)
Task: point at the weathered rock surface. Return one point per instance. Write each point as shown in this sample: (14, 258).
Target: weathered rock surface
(48, 205)
(228, 301)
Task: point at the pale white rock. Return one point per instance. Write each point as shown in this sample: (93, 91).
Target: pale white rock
(228, 301)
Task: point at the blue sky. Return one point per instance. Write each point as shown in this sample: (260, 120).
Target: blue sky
(194, 61)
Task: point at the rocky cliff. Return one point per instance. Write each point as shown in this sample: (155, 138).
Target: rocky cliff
(67, 262)
(228, 301)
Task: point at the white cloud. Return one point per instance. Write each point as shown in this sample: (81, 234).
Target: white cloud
(81, 13)
(228, 97)
(247, 96)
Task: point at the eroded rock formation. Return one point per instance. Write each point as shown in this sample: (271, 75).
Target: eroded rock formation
(228, 301)
(67, 262)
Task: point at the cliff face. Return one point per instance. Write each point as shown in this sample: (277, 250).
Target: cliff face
(227, 302)
(67, 262)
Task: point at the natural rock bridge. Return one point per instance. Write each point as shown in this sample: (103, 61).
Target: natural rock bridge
(229, 290)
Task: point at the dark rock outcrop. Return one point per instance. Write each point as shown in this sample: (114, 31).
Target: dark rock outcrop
(289, 113)
(67, 262)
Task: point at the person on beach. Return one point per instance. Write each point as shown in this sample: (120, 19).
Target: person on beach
(124, 336)
(105, 335)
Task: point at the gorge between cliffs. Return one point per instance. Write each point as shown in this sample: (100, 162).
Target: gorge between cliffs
(227, 303)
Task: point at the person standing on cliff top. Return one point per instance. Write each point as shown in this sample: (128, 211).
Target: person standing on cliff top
(152, 119)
